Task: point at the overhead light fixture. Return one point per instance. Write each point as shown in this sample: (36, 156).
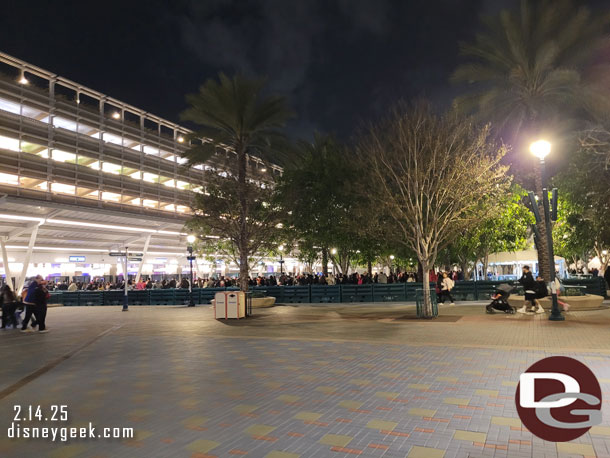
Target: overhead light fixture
(21, 218)
(50, 248)
(116, 115)
(181, 139)
(22, 79)
(264, 169)
(101, 226)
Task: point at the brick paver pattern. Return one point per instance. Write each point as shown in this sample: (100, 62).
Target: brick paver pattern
(295, 381)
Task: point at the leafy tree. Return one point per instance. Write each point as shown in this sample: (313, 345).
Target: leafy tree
(434, 176)
(586, 201)
(233, 115)
(533, 72)
(319, 198)
(506, 229)
(570, 237)
(217, 221)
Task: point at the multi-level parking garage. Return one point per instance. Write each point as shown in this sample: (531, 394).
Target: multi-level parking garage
(82, 174)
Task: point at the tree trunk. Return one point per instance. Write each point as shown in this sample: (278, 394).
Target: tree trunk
(464, 267)
(485, 265)
(344, 263)
(325, 262)
(544, 265)
(369, 267)
(243, 270)
(427, 308)
(242, 162)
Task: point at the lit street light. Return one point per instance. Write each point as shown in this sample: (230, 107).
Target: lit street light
(541, 149)
(191, 239)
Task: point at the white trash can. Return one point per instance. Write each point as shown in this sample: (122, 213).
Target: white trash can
(230, 304)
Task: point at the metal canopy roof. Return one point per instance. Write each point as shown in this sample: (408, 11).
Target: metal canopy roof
(64, 227)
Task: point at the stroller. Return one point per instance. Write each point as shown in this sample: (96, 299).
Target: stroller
(500, 300)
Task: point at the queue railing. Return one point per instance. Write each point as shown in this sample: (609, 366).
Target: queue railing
(375, 293)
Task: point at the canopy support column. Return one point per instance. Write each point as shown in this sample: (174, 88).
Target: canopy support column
(7, 270)
(144, 252)
(26, 261)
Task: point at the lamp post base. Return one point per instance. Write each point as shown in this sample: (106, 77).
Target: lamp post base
(555, 312)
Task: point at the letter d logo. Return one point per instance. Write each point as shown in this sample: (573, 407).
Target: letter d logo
(528, 389)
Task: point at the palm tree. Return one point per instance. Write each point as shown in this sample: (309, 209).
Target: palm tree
(233, 114)
(533, 71)
(531, 64)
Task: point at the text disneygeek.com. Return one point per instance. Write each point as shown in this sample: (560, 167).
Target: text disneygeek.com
(22, 428)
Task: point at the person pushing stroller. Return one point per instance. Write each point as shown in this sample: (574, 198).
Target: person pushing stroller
(532, 291)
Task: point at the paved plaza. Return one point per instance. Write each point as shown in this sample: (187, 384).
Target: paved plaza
(294, 381)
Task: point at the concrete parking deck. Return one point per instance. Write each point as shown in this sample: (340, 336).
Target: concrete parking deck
(294, 381)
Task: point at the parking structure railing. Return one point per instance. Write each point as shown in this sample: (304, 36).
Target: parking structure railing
(375, 293)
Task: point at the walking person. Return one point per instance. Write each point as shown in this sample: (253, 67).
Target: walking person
(447, 285)
(541, 292)
(29, 303)
(529, 286)
(8, 302)
(41, 295)
(558, 289)
(39, 309)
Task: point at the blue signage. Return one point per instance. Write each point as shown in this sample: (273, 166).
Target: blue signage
(77, 259)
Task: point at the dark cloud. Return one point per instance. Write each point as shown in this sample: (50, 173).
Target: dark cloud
(339, 61)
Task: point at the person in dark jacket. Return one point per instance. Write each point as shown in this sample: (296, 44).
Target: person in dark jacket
(541, 292)
(529, 286)
(37, 306)
(8, 302)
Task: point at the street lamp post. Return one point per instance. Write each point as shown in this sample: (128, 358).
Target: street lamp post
(190, 239)
(281, 249)
(541, 149)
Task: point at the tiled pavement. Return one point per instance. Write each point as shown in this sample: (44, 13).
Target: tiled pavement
(295, 381)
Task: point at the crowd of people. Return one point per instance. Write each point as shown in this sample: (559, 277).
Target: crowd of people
(32, 302)
(286, 279)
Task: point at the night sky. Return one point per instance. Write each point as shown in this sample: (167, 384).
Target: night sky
(340, 62)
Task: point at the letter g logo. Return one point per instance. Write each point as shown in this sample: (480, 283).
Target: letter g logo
(558, 399)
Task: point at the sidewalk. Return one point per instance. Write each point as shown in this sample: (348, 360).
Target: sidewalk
(297, 381)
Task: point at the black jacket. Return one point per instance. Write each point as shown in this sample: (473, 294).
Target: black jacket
(541, 289)
(40, 296)
(527, 281)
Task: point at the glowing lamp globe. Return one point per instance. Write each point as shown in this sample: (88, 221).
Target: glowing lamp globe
(191, 238)
(540, 149)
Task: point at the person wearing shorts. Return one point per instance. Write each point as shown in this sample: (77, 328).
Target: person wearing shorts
(529, 286)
